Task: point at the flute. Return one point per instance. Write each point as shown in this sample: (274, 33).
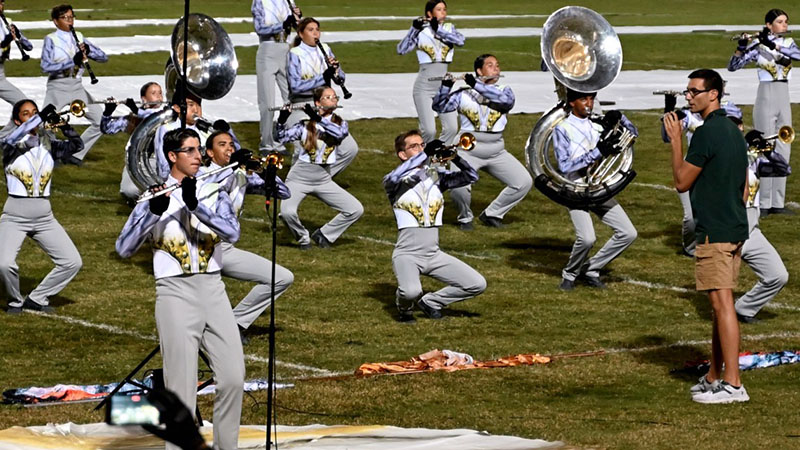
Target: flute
(25, 56)
(85, 56)
(149, 195)
(451, 77)
(299, 106)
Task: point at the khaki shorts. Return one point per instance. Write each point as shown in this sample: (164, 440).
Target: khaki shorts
(717, 265)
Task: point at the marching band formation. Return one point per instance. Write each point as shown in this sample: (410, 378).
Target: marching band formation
(577, 157)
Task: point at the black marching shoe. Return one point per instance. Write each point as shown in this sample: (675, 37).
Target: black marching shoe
(14, 310)
(747, 319)
(406, 317)
(245, 339)
(593, 282)
(784, 211)
(763, 212)
(33, 306)
(493, 222)
(432, 313)
(566, 285)
(465, 226)
(320, 239)
(305, 246)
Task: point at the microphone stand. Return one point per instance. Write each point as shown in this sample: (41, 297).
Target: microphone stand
(271, 194)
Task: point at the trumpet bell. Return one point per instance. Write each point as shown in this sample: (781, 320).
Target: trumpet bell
(581, 49)
(211, 62)
(466, 142)
(77, 108)
(786, 134)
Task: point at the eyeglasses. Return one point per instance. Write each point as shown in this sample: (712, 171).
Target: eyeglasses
(187, 150)
(694, 92)
(330, 97)
(415, 145)
(66, 17)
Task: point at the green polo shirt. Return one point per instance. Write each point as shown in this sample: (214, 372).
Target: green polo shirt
(719, 148)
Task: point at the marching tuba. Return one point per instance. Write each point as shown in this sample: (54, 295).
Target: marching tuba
(583, 52)
(210, 74)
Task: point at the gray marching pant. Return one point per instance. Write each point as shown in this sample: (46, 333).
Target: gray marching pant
(772, 111)
(765, 261)
(127, 188)
(490, 155)
(417, 253)
(313, 179)
(270, 70)
(193, 312)
(424, 91)
(611, 214)
(33, 217)
(247, 266)
(12, 95)
(61, 92)
(345, 154)
(687, 234)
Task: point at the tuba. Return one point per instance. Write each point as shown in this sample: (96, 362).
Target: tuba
(583, 52)
(211, 66)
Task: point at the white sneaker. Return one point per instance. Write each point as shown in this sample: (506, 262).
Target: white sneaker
(703, 386)
(723, 393)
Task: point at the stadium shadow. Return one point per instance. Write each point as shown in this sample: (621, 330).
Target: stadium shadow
(27, 284)
(540, 255)
(677, 359)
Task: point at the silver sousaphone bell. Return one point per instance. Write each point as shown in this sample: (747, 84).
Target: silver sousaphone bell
(583, 53)
(211, 66)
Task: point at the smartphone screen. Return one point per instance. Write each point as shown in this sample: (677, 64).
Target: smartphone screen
(131, 410)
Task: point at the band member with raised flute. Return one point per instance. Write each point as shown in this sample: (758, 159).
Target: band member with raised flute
(62, 60)
(434, 40)
(185, 229)
(152, 100)
(312, 172)
(483, 109)
(773, 54)
(29, 154)
(8, 91)
(577, 145)
(308, 70)
(241, 264)
(273, 21)
(415, 191)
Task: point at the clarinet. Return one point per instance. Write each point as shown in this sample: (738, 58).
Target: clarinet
(336, 78)
(292, 6)
(86, 60)
(25, 56)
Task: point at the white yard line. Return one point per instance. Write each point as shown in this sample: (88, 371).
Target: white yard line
(149, 337)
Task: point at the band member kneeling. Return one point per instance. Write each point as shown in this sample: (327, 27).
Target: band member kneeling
(192, 307)
(577, 145)
(29, 154)
(415, 192)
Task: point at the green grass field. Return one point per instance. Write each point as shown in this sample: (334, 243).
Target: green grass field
(340, 311)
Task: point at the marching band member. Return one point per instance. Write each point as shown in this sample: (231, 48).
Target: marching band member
(8, 91)
(241, 264)
(29, 154)
(62, 59)
(434, 40)
(415, 192)
(192, 307)
(152, 100)
(273, 21)
(757, 251)
(483, 109)
(320, 137)
(577, 145)
(773, 55)
(308, 71)
(689, 123)
(194, 121)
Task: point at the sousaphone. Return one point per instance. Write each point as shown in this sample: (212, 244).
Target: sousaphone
(211, 66)
(584, 54)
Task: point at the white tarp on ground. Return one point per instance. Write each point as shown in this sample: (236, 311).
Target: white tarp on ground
(389, 95)
(71, 436)
(121, 45)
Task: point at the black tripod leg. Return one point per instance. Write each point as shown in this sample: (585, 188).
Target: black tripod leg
(127, 379)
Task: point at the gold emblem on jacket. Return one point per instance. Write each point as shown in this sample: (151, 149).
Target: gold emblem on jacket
(178, 249)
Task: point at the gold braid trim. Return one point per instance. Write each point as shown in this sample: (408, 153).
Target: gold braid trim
(205, 249)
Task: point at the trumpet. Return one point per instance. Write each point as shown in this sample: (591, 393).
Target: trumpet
(300, 106)
(466, 142)
(766, 144)
(450, 77)
(77, 108)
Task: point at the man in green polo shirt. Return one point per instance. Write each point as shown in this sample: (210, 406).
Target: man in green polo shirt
(715, 173)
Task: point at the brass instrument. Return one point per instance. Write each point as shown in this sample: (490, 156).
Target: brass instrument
(77, 108)
(785, 134)
(466, 142)
(584, 54)
(300, 106)
(451, 77)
